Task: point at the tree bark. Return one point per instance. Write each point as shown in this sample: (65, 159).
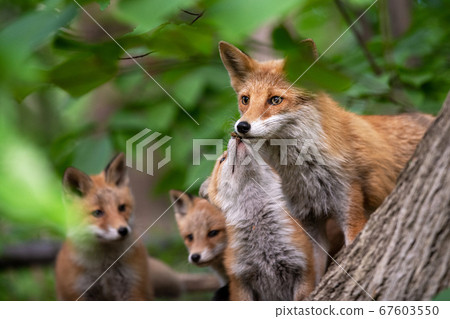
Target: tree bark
(403, 253)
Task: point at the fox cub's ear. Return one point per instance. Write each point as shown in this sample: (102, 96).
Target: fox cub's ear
(237, 63)
(181, 201)
(76, 182)
(116, 171)
(203, 192)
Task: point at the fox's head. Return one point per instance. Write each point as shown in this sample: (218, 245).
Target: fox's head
(105, 199)
(202, 227)
(265, 97)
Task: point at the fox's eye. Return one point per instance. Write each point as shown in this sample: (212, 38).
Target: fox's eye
(222, 159)
(122, 207)
(213, 233)
(97, 213)
(190, 237)
(275, 100)
(245, 99)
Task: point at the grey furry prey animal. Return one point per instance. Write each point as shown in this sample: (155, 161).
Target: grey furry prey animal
(268, 256)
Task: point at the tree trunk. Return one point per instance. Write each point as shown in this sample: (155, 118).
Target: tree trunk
(403, 253)
(400, 16)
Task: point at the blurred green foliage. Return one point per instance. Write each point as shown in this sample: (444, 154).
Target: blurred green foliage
(443, 295)
(55, 62)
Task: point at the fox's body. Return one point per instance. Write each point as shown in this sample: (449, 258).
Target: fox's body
(128, 279)
(337, 163)
(268, 256)
(202, 227)
(106, 203)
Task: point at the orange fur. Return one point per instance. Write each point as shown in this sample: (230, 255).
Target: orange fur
(303, 243)
(80, 263)
(372, 150)
(196, 219)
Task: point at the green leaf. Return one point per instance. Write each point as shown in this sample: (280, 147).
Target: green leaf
(161, 117)
(82, 74)
(416, 96)
(20, 69)
(444, 295)
(191, 41)
(93, 154)
(103, 4)
(416, 80)
(368, 84)
(28, 174)
(189, 89)
(147, 15)
(235, 19)
(32, 30)
(318, 77)
(128, 121)
(282, 40)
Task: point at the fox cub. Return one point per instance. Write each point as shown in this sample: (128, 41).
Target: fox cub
(106, 205)
(268, 256)
(338, 164)
(202, 227)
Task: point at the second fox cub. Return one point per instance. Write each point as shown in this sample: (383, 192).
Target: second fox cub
(106, 206)
(268, 256)
(354, 160)
(202, 227)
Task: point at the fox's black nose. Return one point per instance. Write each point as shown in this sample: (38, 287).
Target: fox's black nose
(123, 231)
(243, 127)
(195, 258)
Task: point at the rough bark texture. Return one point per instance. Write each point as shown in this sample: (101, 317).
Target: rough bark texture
(403, 253)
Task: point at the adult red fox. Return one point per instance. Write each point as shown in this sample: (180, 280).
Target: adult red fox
(336, 163)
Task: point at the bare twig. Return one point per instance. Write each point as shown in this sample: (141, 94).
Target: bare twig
(376, 69)
(197, 15)
(137, 56)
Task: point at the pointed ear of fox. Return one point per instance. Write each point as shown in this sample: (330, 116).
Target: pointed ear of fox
(310, 43)
(203, 192)
(237, 63)
(181, 201)
(116, 171)
(76, 182)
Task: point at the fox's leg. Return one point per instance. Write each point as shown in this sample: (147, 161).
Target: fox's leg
(306, 286)
(316, 230)
(140, 283)
(140, 293)
(355, 219)
(237, 291)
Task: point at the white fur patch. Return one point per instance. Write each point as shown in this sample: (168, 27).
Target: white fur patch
(109, 234)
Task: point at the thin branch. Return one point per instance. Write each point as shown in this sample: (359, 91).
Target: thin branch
(197, 15)
(137, 56)
(376, 69)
